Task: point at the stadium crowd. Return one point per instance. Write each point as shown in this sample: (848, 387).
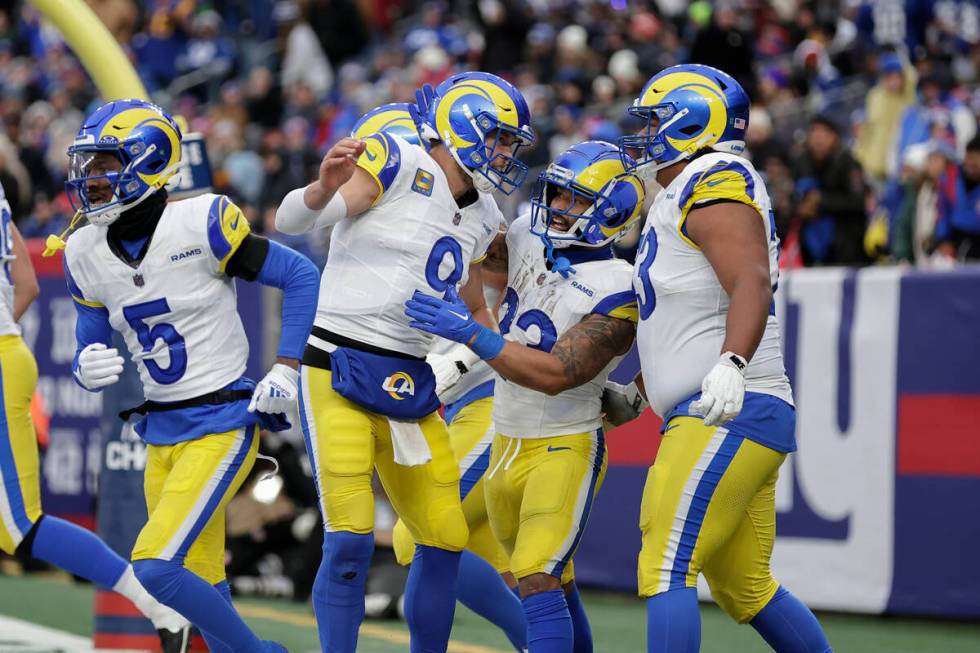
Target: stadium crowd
(864, 117)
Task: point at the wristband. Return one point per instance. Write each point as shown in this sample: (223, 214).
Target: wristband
(487, 344)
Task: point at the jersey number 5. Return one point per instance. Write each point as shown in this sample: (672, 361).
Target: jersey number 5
(148, 336)
(645, 295)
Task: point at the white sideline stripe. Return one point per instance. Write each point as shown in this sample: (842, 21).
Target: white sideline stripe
(15, 631)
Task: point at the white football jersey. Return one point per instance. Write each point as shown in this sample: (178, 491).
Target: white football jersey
(8, 327)
(540, 306)
(415, 237)
(683, 307)
(176, 308)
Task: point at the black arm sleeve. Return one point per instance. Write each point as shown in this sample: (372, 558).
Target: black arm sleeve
(247, 261)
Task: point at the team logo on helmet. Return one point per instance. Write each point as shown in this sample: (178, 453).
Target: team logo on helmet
(482, 120)
(686, 108)
(586, 197)
(145, 141)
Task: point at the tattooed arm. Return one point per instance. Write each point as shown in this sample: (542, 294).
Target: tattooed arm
(578, 356)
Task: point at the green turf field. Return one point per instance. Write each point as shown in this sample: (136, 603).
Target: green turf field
(618, 622)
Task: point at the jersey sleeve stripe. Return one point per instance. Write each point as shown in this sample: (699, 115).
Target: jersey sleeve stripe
(724, 181)
(75, 291)
(220, 246)
(381, 159)
(621, 305)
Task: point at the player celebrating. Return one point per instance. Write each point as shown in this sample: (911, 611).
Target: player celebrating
(464, 384)
(368, 397)
(711, 361)
(570, 312)
(23, 525)
(163, 276)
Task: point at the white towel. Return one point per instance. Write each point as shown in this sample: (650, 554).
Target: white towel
(409, 443)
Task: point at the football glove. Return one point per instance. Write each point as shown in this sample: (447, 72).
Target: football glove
(622, 403)
(276, 392)
(98, 366)
(452, 320)
(722, 390)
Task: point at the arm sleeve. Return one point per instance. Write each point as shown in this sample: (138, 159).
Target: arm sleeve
(726, 181)
(226, 230)
(299, 280)
(293, 217)
(91, 326)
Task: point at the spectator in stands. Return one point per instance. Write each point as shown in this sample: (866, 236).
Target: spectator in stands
(303, 59)
(47, 218)
(723, 45)
(829, 198)
(886, 102)
(958, 220)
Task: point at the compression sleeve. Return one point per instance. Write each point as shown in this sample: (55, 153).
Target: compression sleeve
(299, 280)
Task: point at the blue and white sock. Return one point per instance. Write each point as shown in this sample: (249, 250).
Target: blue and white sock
(549, 625)
(481, 589)
(430, 598)
(788, 626)
(674, 622)
(338, 590)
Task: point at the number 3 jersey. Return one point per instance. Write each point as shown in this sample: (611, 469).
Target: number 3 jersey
(415, 237)
(176, 308)
(538, 308)
(683, 307)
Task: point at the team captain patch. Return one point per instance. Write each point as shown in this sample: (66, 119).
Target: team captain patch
(423, 182)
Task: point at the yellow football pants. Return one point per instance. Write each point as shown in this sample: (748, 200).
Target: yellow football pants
(20, 489)
(187, 487)
(709, 505)
(539, 493)
(470, 436)
(347, 442)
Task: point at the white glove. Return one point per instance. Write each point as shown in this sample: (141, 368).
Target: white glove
(276, 392)
(622, 403)
(448, 368)
(98, 366)
(722, 390)
(446, 371)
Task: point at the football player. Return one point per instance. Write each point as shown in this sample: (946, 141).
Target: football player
(464, 384)
(569, 313)
(163, 275)
(24, 527)
(712, 366)
(368, 397)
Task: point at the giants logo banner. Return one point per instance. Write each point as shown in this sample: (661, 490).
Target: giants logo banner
(876, 512)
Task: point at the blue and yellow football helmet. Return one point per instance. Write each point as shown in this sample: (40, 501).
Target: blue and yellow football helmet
(470, 113)
(144, 138)
(687, 108)
(596, 172)
(394, 118)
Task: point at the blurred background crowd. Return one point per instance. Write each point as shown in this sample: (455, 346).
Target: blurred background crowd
(864, 118)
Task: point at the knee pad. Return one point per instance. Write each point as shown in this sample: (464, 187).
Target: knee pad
(161, 578)
(26, 545)
(744, 604)
(348, 556)
(452, 533)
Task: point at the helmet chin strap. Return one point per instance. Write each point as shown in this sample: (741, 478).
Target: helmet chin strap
(481, 182)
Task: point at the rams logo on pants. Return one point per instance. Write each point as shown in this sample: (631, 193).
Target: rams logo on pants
(398, 384)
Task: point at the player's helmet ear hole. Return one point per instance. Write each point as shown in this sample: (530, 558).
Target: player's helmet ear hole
(155, 165)
(690, 130)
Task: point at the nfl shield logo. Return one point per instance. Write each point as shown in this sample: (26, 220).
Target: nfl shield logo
(541, 278)
(457, 218)
(138, 280)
